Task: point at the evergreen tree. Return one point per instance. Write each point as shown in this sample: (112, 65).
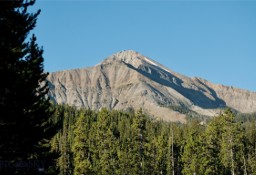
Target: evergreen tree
(250, 128)
(108, 143)
(24, 108)
(114, 142)
(232, 144)
(192, 154)
(125, 144)
(176, 146)
(159, 148)
(211, 148)
(139, 140)
(65, 161)
(80, 146)
(170, 152)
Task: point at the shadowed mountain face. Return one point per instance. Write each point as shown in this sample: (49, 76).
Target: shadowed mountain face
(130, 80)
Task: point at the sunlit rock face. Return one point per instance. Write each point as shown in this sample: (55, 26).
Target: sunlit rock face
(127, 80)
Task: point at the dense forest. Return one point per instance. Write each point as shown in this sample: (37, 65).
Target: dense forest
(116, 142)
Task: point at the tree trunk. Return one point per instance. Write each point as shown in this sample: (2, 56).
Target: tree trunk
(173, 172)
(245, 167)
(232, 157)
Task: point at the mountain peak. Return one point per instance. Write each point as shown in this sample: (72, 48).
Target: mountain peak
(131, 57)
(125, 53)
(128, 52)
(127, 56)
(127, 79)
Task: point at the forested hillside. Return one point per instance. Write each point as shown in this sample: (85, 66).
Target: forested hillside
(114, 142)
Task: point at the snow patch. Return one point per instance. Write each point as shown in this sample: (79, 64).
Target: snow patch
(155, 64)
(165, 69)
(151, 62)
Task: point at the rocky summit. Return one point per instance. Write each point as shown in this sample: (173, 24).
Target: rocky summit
(129, 80)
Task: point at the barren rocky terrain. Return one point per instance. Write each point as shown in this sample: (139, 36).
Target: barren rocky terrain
(128, 80)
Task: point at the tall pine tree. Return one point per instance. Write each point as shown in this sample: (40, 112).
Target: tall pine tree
(139, 140)
(24, 108)
(80, 146)
(192, 154)
(232, 145)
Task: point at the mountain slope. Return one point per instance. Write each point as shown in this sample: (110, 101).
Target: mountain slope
(128, 79)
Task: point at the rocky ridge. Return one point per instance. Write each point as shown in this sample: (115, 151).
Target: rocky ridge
(128, 79)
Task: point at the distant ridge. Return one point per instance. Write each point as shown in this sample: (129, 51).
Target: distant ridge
(128, 79)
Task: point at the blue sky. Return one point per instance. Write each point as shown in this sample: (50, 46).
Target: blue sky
(215, 40)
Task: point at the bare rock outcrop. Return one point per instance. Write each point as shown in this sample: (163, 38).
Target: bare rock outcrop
(128, 79)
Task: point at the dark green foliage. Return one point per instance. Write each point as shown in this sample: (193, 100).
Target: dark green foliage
(63, 140)
(193, 154)
(25, 121)
(139, 140)
(80, 147)
(115, 142)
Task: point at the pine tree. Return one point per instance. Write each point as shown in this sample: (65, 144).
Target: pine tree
(139, 140)
(24, 108)
(232, 144)
(176, 142)
(65, 139)
(160, 155)
(125, 145)
(80, 146)
(250, 129)
(170, 152)
(108, 143)
(192, 154)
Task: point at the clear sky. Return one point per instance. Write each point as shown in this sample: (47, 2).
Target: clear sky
(215, 40)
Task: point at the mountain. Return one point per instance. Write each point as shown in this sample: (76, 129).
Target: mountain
(128, 80)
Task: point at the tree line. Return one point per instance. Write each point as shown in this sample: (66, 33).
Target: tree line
(116, 142)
